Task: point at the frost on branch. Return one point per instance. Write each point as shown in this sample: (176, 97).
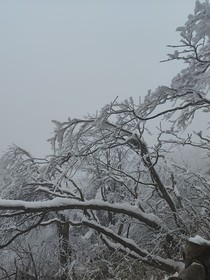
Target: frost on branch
(115, 190)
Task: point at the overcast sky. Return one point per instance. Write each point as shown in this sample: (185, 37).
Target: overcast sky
(61, 58)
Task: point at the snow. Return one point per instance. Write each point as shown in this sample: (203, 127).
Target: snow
(57, 204)
(132, 248)
(174, 275)
(199, 240)
(88, 234)
(177, 265)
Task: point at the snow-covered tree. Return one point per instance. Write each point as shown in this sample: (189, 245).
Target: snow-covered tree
(115, 185)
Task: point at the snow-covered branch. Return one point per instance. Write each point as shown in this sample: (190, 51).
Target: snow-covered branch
(59, 204)
(130, 247)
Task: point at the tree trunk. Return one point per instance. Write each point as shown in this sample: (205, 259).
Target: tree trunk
(64, 250)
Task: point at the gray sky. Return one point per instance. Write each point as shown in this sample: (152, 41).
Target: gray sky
(61, 58)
